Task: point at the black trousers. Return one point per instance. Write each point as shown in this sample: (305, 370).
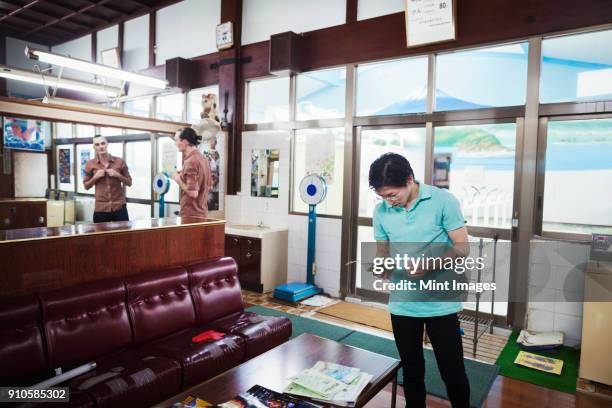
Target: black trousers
(119, 215)
(445, 338)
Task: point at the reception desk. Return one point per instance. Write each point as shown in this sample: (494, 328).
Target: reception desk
(39, 259)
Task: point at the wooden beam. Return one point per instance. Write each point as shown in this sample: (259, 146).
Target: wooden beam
(67, 16)
(152, 34)
(230, 93)
(94, 47)
(351, 11)
(19, 10)
(62, 113)
(120, 39)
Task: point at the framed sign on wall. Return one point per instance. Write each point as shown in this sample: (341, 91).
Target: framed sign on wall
(430, 21)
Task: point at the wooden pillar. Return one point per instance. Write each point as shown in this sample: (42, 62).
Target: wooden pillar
(351, 11)
(152, 34)
(231, 92)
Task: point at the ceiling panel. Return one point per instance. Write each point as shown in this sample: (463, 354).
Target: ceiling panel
(53, 22)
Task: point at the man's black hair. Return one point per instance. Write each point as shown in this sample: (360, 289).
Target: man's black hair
(190, 135)
(390, 170)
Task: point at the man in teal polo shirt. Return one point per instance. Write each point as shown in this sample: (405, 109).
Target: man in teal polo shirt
(415, 215)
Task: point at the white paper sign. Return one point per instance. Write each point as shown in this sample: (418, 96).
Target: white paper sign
(429, 21)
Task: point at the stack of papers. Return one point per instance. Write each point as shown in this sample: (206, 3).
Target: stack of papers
(329, 382)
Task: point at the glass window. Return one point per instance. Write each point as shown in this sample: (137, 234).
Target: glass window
(138, 107)
(170, 159)
(170, 107)
(477, 165)
(85, 131)
(110, 131)
(194, 102)
(576, 67)
(578, 155)
(321, 94)
(268, 100)
(319, 151)
(392, 87)
(138, 160)
(482, 78)
(139, 211)
(63, 130)
(65, 167)
(115, 149)
(409, 142)
(84, 152)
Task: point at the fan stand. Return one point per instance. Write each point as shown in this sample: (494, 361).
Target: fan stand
(161, 185)
(315, 189)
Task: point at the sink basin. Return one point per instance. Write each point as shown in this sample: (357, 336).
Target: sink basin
(250, 227)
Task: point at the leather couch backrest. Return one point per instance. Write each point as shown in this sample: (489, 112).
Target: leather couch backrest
(85, 322)
(159, 303)
(215, 289)
(22, 355)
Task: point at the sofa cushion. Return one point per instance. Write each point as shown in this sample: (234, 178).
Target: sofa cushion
(130, 379)
(203, 360)
(215, 289)
(85, 322)
(261, 333)
(159, 303)
(21, 344)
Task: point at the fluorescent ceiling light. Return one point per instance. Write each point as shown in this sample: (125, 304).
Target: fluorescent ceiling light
(62, 83)
(96, 69)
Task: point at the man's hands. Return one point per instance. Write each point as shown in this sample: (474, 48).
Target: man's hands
(176, 176)
(113, 173)
(99, 174)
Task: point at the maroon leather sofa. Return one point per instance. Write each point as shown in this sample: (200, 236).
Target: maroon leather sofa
(138, 330)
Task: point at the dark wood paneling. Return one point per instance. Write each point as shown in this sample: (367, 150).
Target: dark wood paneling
(351, 11)
(204, 74)
(39, 265)
(23, 214)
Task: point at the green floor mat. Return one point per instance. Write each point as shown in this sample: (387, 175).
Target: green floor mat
(303, 325)
(480, 375)
(565, 382)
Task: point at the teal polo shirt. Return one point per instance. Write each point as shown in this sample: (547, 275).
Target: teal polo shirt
(435, 212)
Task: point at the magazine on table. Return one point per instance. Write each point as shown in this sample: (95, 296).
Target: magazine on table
(255, 397)
(329, 382)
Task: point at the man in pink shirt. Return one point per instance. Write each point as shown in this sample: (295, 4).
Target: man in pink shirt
(110, 175)
(194, 180)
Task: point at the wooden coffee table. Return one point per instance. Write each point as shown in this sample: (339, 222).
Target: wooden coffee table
(273, 369)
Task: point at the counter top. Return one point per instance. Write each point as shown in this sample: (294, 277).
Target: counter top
(66, 231)
(251, 231)
(22, 200)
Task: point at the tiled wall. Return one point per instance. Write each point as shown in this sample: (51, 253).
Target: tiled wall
(556, 287)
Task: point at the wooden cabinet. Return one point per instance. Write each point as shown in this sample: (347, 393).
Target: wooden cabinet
(262, 262)
(23, 213)
(246, 251)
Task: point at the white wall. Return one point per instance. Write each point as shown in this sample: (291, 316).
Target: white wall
(275, 212)
(107, 38)
(375, 8)
(136, 44)
(79, 48)
(187, 29)
(15, 57)
(262, 18)
(556, 287)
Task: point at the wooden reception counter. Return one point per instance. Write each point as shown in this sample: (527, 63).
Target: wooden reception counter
(39, 259)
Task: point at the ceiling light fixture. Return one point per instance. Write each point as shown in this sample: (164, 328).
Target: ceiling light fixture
(93, 68)
(62, 83)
